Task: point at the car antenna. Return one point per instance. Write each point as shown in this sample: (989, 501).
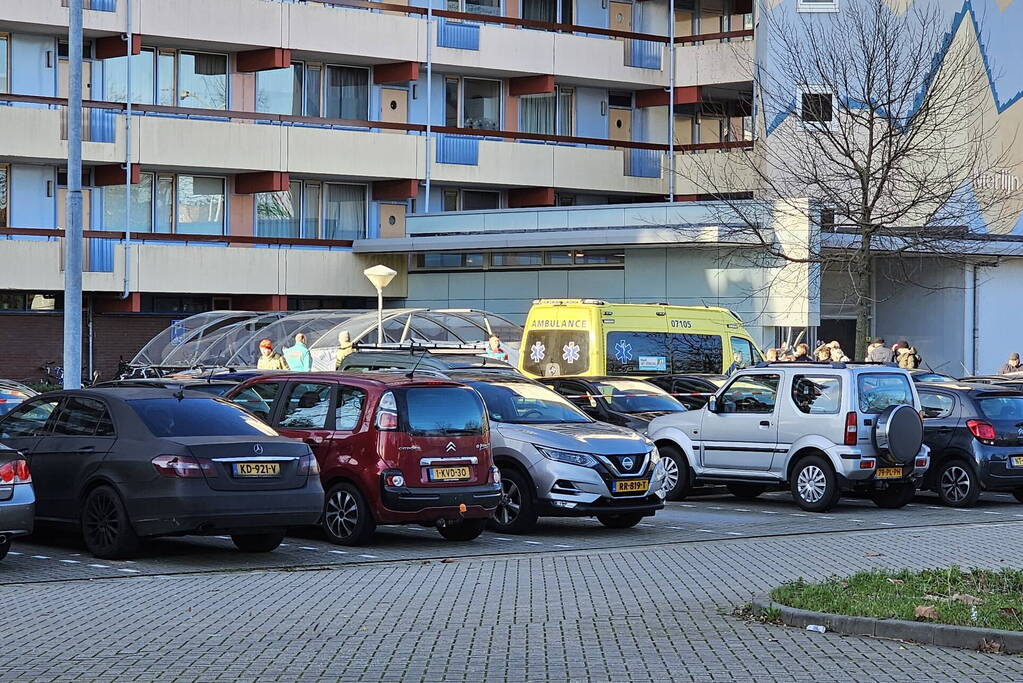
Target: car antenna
(412, 372)
(180, 393)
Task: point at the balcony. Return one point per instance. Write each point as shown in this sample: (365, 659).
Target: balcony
(713, 63)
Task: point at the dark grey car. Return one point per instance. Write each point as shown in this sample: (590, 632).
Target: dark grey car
(129, 463)
(17, 499)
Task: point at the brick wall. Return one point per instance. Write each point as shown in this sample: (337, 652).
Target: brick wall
(28, 340)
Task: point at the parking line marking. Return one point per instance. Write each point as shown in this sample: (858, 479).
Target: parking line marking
(70, 561)
(797, 514)
(706, 531)
(856, 520)
(714, 508)
(339, 552)
(686, 505)
(1018, 515)
(370, 557)
(888, 523)
(534, 542)
(13, 553)
(733, 533)
(559, 545)
(307, 547)
(40, 557)
(990, 512)
(645, 525)
(770, 512)
(741, 510)
(283, 545)
(126, 569)
(935, 507)
(223, 538)
(99, 566)
(679, 528)
(501, 538)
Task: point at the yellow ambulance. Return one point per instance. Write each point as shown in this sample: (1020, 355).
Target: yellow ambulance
(594, 337)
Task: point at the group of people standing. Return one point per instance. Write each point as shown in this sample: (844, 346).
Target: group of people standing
(901, 353)
(295, 357)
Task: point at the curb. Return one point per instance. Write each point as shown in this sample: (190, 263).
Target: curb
(945, 635)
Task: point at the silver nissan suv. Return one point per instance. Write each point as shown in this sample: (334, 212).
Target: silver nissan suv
(556, 461)
(819, 429)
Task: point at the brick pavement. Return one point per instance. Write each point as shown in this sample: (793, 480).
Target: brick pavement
(656, 613)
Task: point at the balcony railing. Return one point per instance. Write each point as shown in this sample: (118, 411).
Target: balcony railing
(458, 35)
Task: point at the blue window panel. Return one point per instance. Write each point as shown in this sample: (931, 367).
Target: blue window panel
(458, 149)
(104, 5)
(644, 54)
(102, 123)
(101, 255)
(644, 163)
(458, 35)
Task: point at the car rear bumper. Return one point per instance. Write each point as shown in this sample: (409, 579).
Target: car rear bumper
(407, 504)
(647, 505)
(227, 511)
(17, 513)
(996, 470)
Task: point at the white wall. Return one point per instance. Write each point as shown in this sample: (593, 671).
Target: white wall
(999, 327)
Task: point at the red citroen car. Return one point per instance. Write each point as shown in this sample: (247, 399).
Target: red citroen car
(391, 449)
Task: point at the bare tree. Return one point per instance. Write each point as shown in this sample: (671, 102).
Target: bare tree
(887, 124)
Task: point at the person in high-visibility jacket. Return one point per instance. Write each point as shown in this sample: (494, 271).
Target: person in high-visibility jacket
(298, 356)
(268, 358)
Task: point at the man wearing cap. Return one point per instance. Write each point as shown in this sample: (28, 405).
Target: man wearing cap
(268, 360)
(877, 352)
(1012, 366)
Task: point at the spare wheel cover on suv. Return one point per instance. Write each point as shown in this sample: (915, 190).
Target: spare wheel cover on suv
(898, 433)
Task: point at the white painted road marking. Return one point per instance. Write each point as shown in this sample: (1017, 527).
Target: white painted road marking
(40, 557)
(99, 566)
(339, 552)
(307, 547)
(369, 557)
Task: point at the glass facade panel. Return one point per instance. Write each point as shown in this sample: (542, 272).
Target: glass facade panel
(344, 212)
(451, 102)
(200, 206)
(517, 258)
(474, 200)
(278, 214)
(481, 104)
(346, 94)
(202, 80)
(279, 91)
(115, 78)
(166, 79)
(312, 91)
(491, 7)
(311, 224)
(540, 10)
(536, 114)
(141, 206)
(4, 62)
(566, 111)
(164, 216)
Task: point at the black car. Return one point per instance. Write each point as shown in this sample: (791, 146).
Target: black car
(208, 385)
(128, 463)
(692, 391)
(975, 432)
(619, 401)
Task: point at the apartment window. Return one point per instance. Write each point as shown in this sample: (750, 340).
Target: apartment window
(450, 260)
(490, 7)
(163, 220)
(313, 80)
(177, 304)
(166, 78)
(201, 204)
(63, 49)
(141, 206)
(550, 11)
(30, 301)
(344, 212)
(817, 6)
(471, 200)
(472, 103)
(346, 93)
(619, 99)
(5, 62)
(202, 80)
(143, 77)
(510, 259)
(548, 114)
(281, 91)
(602, 258)
(296, 211)
(5, 174)
(816, 107)
(279, 214)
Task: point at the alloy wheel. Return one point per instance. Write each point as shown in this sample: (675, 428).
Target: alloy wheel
(811, 483)
(511, 503)
(342, 514)
(955, 484)
(101, 521)
(670, 473)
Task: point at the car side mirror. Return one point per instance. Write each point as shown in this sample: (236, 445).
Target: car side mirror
(712, 404)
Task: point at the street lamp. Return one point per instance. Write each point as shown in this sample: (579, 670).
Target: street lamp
(380, 276)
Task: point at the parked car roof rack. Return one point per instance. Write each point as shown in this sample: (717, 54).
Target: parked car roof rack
(824, 364)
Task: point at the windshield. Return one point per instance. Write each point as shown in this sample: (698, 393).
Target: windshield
(170, 417)
(627, 396)
(526, 403)
(443, 411)
(1002, 408)
(880, 390)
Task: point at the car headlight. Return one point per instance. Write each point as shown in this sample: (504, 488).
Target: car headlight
(569, 457)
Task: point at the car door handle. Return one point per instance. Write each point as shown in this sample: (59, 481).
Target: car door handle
(86, 449)
(765, 423)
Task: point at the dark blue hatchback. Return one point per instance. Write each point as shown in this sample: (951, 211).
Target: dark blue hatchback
(975, 432)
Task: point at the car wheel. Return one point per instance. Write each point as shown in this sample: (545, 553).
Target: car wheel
(5, 547)
(676, 473)
(957, 486)
(814, 485)
(1018, 493)
(466, 530)
(347, 519)
(516, 513)
(745, 491)
(626, 521)
(106, 529)
(258, 543)
(895, 496)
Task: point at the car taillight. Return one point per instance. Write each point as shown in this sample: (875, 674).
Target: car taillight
(183, 466)
(387, 413)
(495, 475)
(851, 433)
(308, 465)
(15, 472)
(394, 478)
(984, 431)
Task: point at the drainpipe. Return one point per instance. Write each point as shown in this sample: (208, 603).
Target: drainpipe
(429, 95)
(127, 165)
(970, 319)
(671, 100)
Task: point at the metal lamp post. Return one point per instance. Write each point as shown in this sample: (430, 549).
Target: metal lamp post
(73, 229)
(380, 276)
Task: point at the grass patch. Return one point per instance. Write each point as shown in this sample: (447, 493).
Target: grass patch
(974, 597)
